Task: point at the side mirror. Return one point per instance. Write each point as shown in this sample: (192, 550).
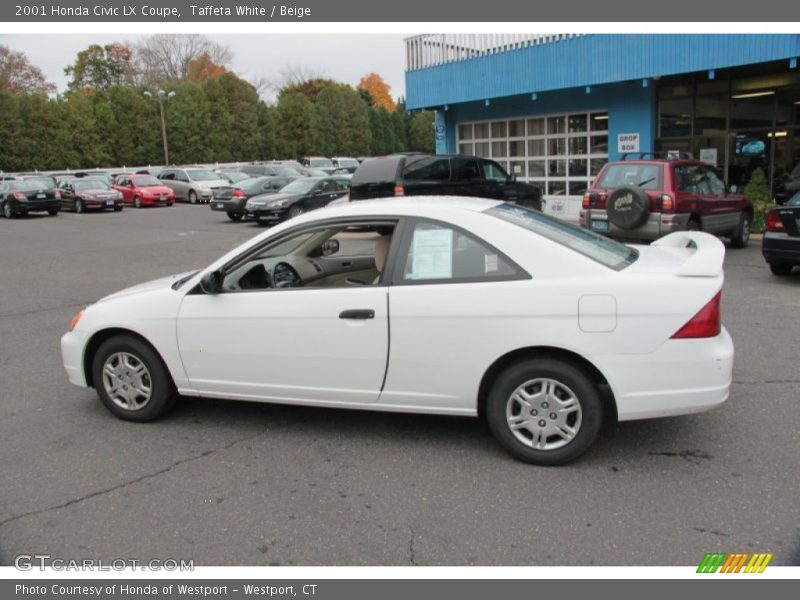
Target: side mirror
(211, 282)
(330, 247)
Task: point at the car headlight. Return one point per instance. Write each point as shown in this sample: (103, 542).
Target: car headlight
(278, 203)
(251, 204)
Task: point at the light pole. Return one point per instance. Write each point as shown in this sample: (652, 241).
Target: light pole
(161, 96)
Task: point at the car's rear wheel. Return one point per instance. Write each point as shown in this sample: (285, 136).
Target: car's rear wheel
(544, 411)
(692, 225)
(192, 197)
(117, 208)
(781, 269)
(8, 212)
(78, 206)
(234, 216)
(741, 237)
(131, 379)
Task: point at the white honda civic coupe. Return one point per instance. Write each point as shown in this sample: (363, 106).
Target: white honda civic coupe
(452, 306)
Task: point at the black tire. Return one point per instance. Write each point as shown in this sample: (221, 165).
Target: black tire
(234, 216)
(628, 207)
(52, 212)
(137, 202)
(162, 394)
(780, 269)
(78, 206)
(192, 197)
(741, 237)
(295, 211)
(568, 379)
(8, 212)
(693, 225)
(117, 209)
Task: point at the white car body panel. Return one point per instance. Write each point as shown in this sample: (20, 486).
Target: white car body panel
(290, 346)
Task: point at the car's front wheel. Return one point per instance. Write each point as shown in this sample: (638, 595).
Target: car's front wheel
(544, 411)
(8, 212)
(131, 379)
(192, 197)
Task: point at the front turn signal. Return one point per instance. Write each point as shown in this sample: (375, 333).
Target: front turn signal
(74, 323)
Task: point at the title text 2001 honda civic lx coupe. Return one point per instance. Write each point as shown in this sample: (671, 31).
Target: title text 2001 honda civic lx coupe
(453, 306)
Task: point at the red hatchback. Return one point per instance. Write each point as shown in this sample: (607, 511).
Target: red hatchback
(143, 190)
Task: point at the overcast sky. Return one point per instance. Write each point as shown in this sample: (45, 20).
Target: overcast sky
(343, 57)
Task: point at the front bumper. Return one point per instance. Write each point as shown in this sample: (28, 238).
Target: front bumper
(657, 225)
(684, 376)
(266, 215)
(778, 247)
(72, 348)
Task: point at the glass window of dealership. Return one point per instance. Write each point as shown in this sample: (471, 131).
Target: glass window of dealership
(552, 109)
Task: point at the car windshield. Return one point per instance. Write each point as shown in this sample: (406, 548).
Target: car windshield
(300, 186)
(235, 176)
(348, 162)
(321, 163)
(90, 184)
(201, 175)
(601, 249)
(287, 247)
(42, 182)
(644, 176)
(286, 171)
(794, 200)
(28, 185)
(252, 185)
(146, 180)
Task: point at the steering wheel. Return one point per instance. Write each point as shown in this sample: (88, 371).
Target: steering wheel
(284, 275)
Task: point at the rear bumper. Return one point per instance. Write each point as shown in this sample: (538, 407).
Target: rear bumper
(22, 208)
(779, 247)
(657, 225)
(234, 206)
(682, 377)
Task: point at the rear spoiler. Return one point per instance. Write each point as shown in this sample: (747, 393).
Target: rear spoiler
(708, 255)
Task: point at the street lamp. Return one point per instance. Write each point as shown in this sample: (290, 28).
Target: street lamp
(161, 96)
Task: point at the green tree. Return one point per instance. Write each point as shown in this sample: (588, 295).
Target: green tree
(267, 132)
(11, 128)
(420, 132)
(343, 126)
(757, 191)
(296, 125)
(101, 67)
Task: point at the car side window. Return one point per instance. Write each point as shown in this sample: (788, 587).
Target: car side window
(182, 176)
(715, 183)
(439, 253)
(167, 175)
(465, 169)
(692, 179)
(493, 172)
(428, 168)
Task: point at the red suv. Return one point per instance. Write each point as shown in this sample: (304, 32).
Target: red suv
(646, 199)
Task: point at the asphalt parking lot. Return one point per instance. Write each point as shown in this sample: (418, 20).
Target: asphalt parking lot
(234, 483)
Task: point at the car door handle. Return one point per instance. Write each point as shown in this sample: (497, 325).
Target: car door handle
(357, 313)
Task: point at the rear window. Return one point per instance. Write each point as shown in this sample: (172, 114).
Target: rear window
(644, 176)
(429, 168)
(600, 249)
(376, 170)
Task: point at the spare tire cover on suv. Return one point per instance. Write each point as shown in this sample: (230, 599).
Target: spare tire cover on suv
(628, 207)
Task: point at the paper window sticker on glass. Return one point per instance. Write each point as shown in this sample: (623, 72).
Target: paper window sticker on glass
(491, 263)
(432, 254)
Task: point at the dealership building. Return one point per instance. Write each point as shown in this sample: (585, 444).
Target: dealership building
(552, 109)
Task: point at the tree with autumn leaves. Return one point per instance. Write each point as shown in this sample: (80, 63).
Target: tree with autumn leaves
(378, 91)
